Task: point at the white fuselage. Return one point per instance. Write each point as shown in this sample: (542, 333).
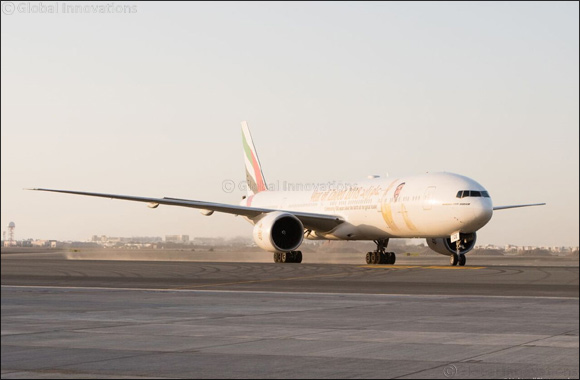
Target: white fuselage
(420, 206)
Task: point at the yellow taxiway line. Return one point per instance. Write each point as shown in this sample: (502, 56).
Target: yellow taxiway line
(417, 267)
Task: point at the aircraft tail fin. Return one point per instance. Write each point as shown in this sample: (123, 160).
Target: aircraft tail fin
(254, 176)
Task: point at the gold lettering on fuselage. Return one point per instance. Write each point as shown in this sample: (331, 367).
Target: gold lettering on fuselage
(356, 193)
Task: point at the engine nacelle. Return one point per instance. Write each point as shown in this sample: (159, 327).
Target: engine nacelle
(278, 232)
(444, 246)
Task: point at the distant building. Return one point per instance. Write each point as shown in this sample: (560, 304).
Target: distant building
(147, 239)
(527, 248)
(177, 239)
(110, 241)
(40, 243)
(208, 241)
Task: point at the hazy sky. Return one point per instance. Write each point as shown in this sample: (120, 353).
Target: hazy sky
(147, 98)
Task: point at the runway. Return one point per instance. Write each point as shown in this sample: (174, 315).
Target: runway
(547, 281)
(98, 319)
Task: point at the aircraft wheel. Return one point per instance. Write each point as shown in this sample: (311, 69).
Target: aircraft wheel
(369, 258)
(376, 258)
(454, 259)
(295, 257)
(392, 258)
(284, 257)
(462, 260)
(277, 257)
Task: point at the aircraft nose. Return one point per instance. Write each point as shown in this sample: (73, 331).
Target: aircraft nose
(482, 212)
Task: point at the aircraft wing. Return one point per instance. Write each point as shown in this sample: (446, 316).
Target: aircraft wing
(516, 206)
(313, 221)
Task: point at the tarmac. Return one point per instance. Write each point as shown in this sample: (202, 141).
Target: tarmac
(89, 318)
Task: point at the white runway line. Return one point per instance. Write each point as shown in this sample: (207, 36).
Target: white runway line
(435, 296)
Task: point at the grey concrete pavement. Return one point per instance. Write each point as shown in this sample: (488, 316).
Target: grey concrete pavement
(136, 319)
(237, 334)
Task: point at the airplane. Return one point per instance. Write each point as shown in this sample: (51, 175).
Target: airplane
(446, 209)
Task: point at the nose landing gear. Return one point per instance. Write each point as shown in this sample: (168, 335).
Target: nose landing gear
(380, 255)
(458, 258)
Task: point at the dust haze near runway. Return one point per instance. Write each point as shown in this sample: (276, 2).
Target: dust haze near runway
(108, 319)
(412, 275)
(354, 257)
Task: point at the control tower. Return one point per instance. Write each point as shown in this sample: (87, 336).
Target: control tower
(11, 227)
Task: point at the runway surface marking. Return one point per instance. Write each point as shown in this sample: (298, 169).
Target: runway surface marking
(173, 290)
(418, 267)
(260, 281)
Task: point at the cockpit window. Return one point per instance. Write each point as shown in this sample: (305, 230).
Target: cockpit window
(472, 193)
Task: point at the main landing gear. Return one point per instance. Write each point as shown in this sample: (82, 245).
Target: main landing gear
(380, 256)
(288, 257)
(457, 259)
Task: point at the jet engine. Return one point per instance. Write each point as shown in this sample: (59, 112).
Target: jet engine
(278, 232)
(444, 246)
